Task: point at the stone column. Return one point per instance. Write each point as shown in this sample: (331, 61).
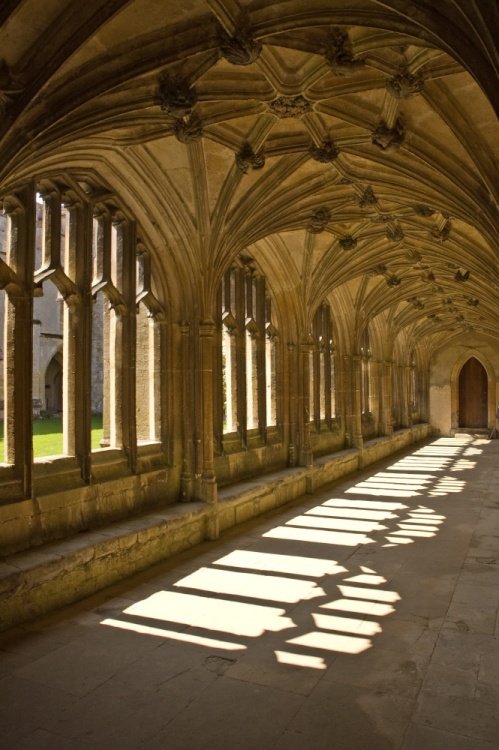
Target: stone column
(208, 478)
(292, 404)
(21, 213)
(77, 353)
(306, 453)
(187, 476)
(101, 277)
(406, 396)
(386, 392)
(124, 344)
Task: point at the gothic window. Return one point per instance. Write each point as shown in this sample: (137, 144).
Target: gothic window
(322, 371)
(396, 404)
(413, 389)
(229, 351)
(109, 307)
(365, 354)
(49, 338)
(270, 366)
(248, 354)
(83, 283)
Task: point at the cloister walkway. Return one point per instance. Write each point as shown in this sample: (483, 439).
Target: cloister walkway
(364, 617)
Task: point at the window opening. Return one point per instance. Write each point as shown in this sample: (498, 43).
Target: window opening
(48, 329)
(147, 354)
(365, 351)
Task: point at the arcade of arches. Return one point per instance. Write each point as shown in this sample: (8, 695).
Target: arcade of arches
(269, 231)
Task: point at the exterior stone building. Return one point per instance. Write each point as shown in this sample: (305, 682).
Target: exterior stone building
(284, 214)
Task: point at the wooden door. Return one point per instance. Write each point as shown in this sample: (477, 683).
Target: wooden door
(473, 395)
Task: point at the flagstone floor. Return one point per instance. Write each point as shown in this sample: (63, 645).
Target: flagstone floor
(364, 617)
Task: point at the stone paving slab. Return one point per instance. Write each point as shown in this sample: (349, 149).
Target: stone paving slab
(364, 617)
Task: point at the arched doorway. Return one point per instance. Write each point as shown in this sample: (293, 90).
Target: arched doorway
(53, 385)
(473, 394)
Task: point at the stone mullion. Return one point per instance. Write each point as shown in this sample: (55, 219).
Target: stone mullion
(306, 457)
(357, 386)
(316, 383)
(347, 397)
(407, 375)
(386, 398)
(102, 268)
(207, 331)
(240, 334)
(18, 418)
(422, 394)
(399, 394)
(292, 369)
(77, 370)
(327, 378)
(187, 476)
(52, 229)
(314, 373)
(101, 275)
(218, 393)
(262, 375)
(124, 345)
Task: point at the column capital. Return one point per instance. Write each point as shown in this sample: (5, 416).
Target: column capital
(207, 327)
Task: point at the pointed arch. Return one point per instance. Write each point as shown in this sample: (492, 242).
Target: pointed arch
(489, 385)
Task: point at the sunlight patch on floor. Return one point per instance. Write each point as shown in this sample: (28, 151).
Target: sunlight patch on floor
(360, 606)
(278, 563)
(345, 644)
(251, 585)
(317, 536)
(300, 660)
(173, 635)
(338, 524)
(346, 624)
(237, 618)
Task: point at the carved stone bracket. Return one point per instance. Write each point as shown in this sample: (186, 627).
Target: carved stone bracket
(289, 106)
(393, 280)
(416, 302)
(386, 137)
(367, 198)
(240, 49)
(348, 243)
(422, 210)
(319, 220)
(404, 84)
(176, 96)
(443, 232)
(246, 159)
(339, 55)
(326, 153)
(188, 129)
(384, 218)
(461, 275)
(394, 234)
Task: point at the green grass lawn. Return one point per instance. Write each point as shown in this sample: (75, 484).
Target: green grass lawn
(47, 436)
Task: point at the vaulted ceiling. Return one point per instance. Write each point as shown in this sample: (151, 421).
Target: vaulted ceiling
(348, 146)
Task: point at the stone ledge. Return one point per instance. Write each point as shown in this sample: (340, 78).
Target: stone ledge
(42, 579)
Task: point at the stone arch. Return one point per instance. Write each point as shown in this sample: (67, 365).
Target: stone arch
(456, 370)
